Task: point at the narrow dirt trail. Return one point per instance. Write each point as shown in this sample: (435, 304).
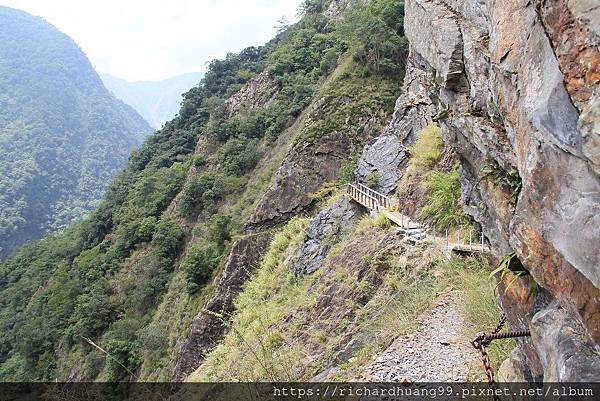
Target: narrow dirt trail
(438, 350)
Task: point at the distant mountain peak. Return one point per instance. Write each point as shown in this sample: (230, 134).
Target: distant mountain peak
(157, 101)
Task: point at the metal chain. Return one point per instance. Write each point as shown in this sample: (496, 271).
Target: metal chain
(478, 343)
(500, 324)
(482, 340)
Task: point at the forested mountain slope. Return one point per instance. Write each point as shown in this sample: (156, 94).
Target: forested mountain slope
(157, 101)
(133, 276)
(63, 136)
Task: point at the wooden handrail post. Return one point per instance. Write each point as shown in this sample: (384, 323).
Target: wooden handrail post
(470, 240)
(447, 242)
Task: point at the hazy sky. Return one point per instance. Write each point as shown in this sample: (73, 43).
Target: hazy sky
(156, 39)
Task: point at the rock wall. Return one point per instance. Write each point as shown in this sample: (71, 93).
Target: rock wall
(514, 85)
(325, 230)
(306, 167)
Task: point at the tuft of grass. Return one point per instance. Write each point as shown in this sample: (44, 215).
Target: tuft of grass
(426, 151)
(381, 221)
(442, 205)
(372, 180)
(472, 277)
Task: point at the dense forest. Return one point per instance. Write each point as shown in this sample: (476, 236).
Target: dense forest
(130, 277)
(63, 136)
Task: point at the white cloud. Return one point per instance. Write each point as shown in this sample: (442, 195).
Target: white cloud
(156, 39)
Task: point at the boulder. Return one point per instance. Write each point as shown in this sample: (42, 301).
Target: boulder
(563, 346)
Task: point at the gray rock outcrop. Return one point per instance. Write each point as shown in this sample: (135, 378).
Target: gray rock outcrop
(257, 92)
(564, 348)
(383, 155)
(518, 85)
(322, 233)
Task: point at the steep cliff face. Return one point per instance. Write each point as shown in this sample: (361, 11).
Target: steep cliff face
(514, 86)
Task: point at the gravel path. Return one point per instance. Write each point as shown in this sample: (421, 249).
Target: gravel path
(438, 350)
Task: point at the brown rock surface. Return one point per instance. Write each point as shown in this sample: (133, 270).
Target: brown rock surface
(255, 93)
(305, 169)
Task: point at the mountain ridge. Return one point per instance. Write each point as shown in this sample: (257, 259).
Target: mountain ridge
(156, 101)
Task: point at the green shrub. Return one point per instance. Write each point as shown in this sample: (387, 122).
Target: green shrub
(146, 229)
(199, 265)
(199, 161)
(93, 311)
(219, 230)
(14, 369)
(239, 155)
(346, 174)
(200, 193)
(121, 361)
(374, 32)
(372, 179)
(167, 238)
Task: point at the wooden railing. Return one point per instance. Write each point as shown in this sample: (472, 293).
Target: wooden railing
(368, 197)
